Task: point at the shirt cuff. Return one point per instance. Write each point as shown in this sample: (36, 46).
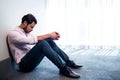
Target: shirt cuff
(36, 40)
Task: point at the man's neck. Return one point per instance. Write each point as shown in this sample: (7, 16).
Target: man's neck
(21, 26)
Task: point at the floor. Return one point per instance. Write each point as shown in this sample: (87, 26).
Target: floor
(98, 64)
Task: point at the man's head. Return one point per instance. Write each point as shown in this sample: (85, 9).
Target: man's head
(28, 22)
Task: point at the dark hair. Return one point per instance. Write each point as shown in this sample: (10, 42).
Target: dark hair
(29, 18)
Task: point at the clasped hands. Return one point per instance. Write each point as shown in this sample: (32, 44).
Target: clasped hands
(55, 35)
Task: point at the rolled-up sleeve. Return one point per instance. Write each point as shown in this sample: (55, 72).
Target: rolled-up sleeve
(35, 40)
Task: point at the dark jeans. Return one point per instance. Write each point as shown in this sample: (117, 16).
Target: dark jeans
(43, 48)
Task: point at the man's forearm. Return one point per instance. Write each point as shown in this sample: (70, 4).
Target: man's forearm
(42, 37)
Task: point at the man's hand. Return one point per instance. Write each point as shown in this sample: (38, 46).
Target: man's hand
(55, 35)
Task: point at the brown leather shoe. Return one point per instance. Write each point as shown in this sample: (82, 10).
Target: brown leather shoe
(66, 71)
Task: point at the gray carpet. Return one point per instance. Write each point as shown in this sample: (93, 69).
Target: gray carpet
(97, 64)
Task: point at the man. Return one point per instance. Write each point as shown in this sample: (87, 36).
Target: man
(27, 58)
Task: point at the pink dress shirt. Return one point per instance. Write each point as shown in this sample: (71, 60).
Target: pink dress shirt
(20, 43)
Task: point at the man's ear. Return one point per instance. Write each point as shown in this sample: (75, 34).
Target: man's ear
(25, 23)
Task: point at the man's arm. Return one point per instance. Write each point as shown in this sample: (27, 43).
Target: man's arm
(53, 35)
(18, 38)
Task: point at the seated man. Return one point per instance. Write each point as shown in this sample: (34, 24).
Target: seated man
(27, 58)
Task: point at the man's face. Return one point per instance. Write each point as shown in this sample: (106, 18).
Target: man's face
(29, 27)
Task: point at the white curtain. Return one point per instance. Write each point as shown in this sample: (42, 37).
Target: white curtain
(84, 22)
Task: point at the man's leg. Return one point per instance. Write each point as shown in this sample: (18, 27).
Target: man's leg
(36, 54)
(41, 49)
(31, 59)
(62, 54)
